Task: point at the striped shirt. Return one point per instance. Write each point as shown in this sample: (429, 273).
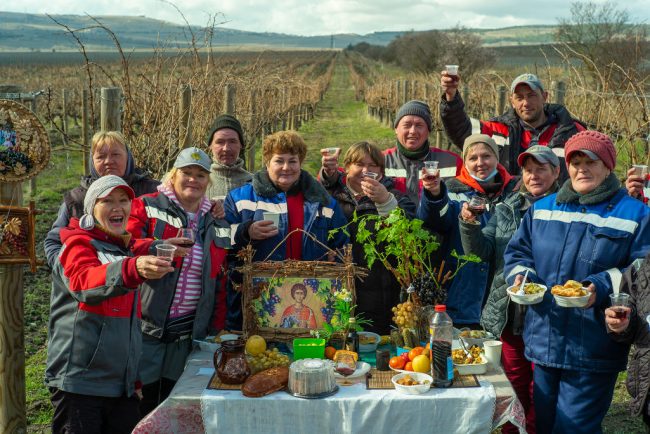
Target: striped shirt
(188, 286)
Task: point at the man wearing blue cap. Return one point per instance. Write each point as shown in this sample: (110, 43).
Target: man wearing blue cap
(529, 121)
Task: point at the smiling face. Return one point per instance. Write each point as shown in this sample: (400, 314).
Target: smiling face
(110, 158)
(355, 171)
(284, 170)
(412, 132)
(225, 146)
(480, 161)
(190, 184)
(112, 211)
(529, 104)
(586, 174)
(538, 178)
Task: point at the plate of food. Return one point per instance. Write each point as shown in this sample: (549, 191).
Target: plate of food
(368, 341)
(475, 337)
(469, 362)
(533, 293)
(571, 294)
(362, 369)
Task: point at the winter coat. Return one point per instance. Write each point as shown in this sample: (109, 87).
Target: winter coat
(155, 216)
(558, 241)
(94, 327)
(322, 213)
(510, 133)
(406, 171)
(636, 282)
(466, 293)
(225, 178)
(73, 204)
(379, 291)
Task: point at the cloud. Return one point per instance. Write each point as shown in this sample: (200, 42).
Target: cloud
(314, 17)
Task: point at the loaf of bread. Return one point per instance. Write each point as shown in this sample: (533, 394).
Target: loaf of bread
(266, 382)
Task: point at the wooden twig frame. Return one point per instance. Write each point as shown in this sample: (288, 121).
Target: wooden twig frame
(26, 253)
(268, 302)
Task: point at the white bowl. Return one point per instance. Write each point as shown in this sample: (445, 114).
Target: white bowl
(367, 348)
(572, 301)
(469, 341)
(416, 389)
(526, 299)
(472, 368)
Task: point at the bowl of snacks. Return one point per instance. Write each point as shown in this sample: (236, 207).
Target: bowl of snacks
(475, 337)
(571, 294)
(533, 293)
(368, 341)
(469, 362)
(412, 383)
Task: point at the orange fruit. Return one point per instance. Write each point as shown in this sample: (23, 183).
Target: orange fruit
(396, 362)
(409, 366)
(329, 352)
(415, 352)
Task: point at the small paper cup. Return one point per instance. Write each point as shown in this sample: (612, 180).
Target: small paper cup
(431, 167)
(492, 351)
(273, 216)
(165, 251)
(451, 69)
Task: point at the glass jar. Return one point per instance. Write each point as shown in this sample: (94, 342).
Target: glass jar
(230, 362)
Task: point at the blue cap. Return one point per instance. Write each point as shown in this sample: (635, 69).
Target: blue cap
(529, 79)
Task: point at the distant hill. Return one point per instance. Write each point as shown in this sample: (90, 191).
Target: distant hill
(31, 32)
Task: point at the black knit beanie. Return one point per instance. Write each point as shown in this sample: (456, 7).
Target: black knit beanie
(417, 108)
(226, 121)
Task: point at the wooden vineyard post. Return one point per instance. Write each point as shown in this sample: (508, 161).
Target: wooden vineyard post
(64, 118)
(559, 92)
(465, 95)
(229, 95)
(253, 137)
(185, 122)
(32, 181)
(85, 132)
(12, 344)
(501, 102)
(111, 119)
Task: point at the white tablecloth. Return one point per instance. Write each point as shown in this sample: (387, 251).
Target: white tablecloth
(353, 409)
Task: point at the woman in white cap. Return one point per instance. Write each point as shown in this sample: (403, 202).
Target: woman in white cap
(188, 303)
(94, 336)
(481, 177)
(540, 169)
(589, 231)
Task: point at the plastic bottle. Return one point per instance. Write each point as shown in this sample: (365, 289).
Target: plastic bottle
(441, 329)
(352, 342)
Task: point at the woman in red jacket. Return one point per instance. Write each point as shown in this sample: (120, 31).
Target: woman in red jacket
(94, 337)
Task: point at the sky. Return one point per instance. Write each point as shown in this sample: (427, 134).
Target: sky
(323, 17)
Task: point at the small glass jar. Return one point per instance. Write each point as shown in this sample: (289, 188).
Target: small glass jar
(230, 362)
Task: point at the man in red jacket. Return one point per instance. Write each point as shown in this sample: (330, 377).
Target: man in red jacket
(529, 121)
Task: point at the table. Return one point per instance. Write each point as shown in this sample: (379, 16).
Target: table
(182, 413)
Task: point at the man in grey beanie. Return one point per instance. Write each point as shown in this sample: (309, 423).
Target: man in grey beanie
(227, 172)
(405, 161)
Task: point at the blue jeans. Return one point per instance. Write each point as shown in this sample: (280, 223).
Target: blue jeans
(568, 401)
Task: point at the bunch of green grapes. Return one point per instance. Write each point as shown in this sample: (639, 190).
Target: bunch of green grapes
(268, 359)
(404, 315)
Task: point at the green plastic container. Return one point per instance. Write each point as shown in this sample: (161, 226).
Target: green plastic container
(308, 348)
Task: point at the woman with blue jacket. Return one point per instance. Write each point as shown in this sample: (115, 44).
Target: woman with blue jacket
(590, 231)
(440, 205)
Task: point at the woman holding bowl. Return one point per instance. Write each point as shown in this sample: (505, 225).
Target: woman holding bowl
(283, 191)
(363, 188)
(481, 185)
(181, 306)
(589, 231)
(540, 169)
(94, 335)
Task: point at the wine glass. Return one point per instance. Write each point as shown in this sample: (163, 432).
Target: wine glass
(477, 205)
(189, 237)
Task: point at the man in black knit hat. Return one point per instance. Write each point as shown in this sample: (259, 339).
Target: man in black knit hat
(226, 141)
(405, 161)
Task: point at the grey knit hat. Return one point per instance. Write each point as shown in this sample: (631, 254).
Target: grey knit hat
(480, 138)
(226, 121)
(416, 108)
(193, 157)
(99, 189)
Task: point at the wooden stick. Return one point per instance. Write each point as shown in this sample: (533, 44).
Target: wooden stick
(442, 266)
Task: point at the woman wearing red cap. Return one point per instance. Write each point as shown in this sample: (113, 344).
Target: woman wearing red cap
(590, 231)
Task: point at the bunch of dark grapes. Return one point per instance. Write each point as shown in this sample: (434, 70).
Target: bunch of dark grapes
(17, 243)
(10, 158)
(427, 291)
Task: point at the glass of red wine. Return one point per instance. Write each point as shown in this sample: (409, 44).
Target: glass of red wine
(189, 237)
(477, 205)
(621, 305)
